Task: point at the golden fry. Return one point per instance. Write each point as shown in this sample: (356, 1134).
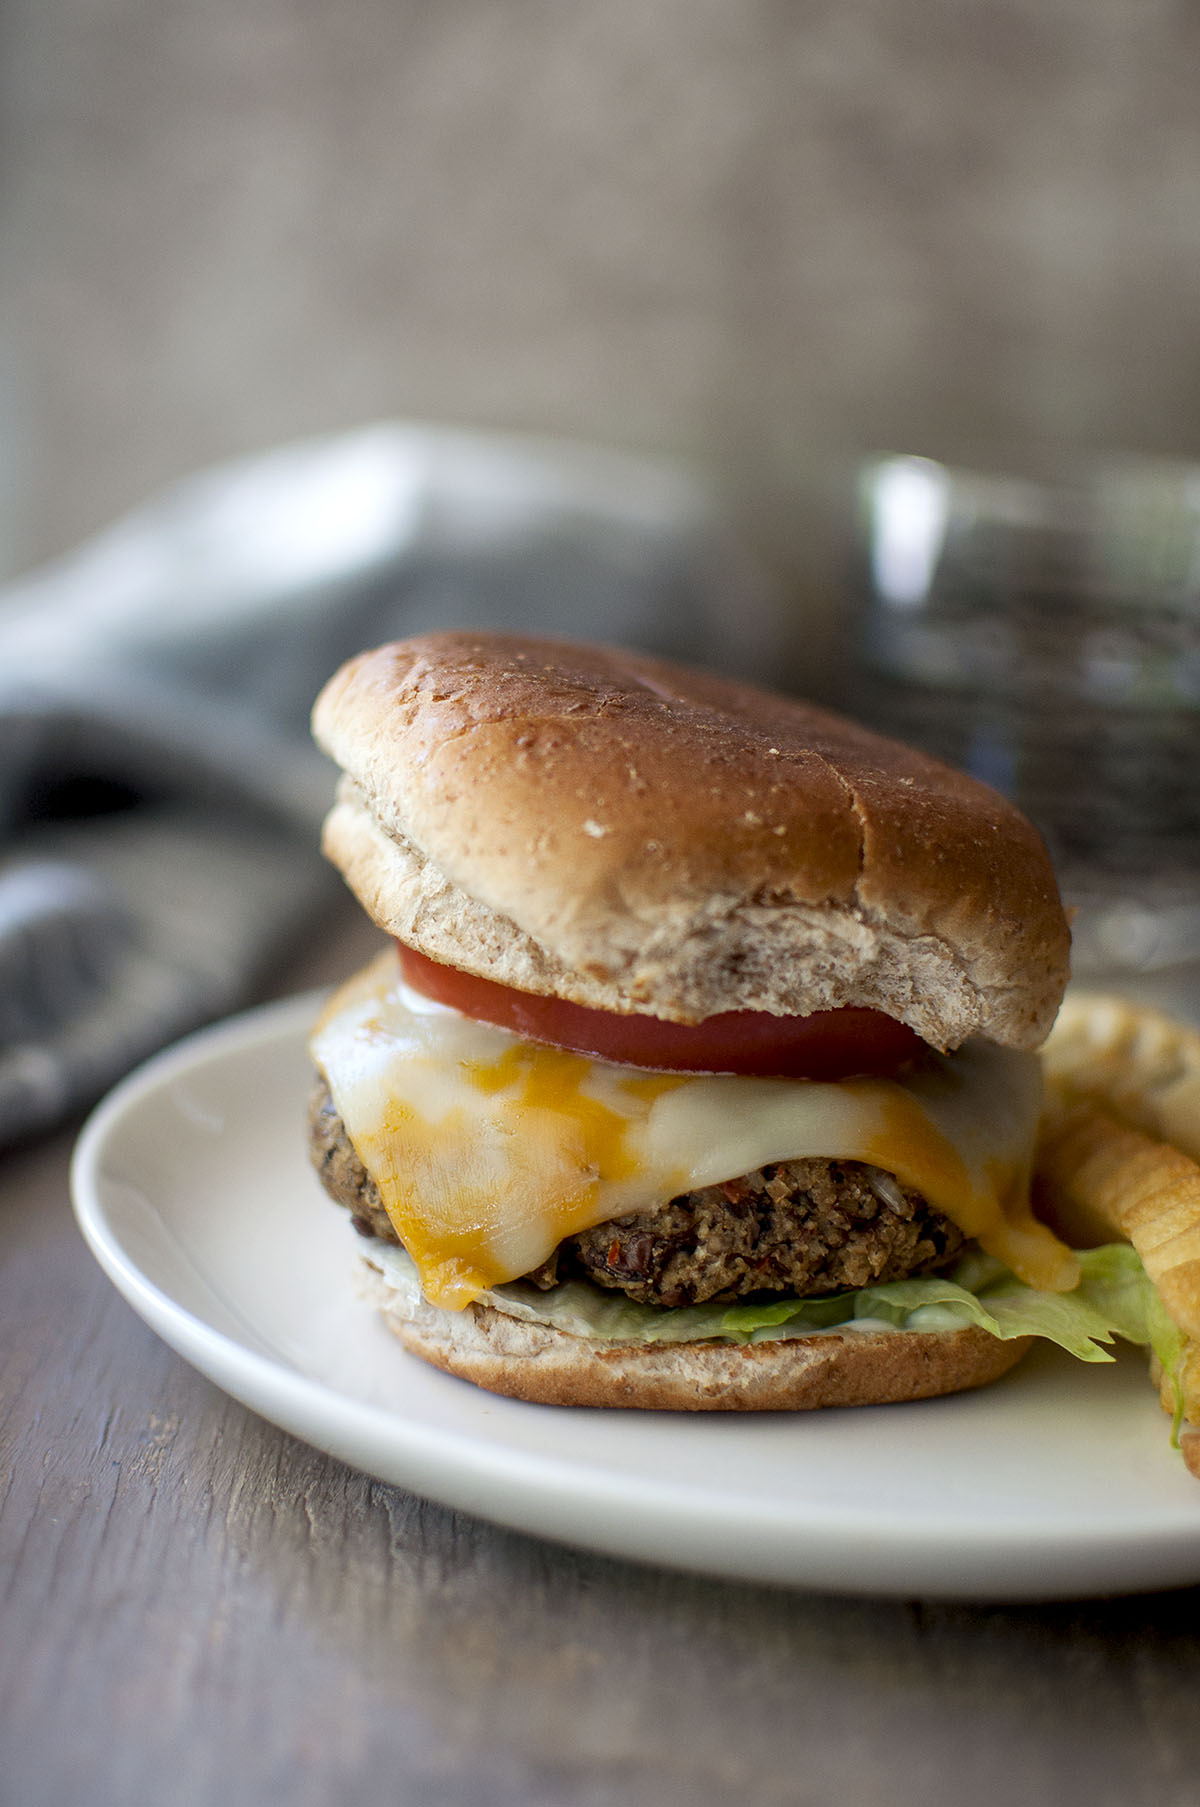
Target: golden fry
(1138, 1063)
(1189, 1435)
(1098, 1174)
(1189, 1448)
(1188, 1378)
(1120, 1156)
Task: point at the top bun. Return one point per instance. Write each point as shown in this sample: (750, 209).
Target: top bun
(635, 836)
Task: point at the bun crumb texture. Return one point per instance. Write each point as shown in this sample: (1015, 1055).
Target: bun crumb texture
(545, 1366)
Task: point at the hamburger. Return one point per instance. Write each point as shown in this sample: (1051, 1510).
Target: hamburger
(699, 1069)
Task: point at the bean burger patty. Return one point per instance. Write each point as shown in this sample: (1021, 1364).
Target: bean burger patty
(805, 1227)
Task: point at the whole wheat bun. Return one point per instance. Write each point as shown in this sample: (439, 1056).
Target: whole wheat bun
(546, 1366)
(622, 832)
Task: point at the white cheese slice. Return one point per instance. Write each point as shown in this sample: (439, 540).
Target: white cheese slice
(488, 1149)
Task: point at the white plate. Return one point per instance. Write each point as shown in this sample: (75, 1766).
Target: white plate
(192, 1186)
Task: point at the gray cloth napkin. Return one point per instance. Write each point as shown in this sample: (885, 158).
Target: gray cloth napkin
(159, 794)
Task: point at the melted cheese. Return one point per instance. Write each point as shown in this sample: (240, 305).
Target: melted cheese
(488, 1150)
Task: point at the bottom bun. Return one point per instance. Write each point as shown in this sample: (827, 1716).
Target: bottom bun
(798, 1374)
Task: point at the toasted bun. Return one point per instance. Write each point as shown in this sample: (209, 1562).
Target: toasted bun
(633, 836)
(551, 1367)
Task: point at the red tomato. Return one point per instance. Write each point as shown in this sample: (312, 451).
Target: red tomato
(830, 1044)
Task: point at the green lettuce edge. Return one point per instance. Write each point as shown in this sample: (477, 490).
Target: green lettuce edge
(1114, 1298)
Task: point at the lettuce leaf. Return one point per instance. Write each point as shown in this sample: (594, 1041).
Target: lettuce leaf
(1140, 1316)
(1113, 1298)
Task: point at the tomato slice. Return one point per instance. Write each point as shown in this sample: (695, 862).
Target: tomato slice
(830, 1044)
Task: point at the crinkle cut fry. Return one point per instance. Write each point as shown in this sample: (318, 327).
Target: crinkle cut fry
(1138, 1063)
(1189, 1436)
(1098, 1170)
(1098, 1178)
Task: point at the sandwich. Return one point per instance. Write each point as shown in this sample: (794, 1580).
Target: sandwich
(698, 1070)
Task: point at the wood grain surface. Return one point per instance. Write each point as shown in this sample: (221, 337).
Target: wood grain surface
(197, 1609)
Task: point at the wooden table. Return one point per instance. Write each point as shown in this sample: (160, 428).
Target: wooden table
(194, 1608)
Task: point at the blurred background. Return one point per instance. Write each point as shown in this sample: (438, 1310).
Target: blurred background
(905, 296)
(767, 237)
